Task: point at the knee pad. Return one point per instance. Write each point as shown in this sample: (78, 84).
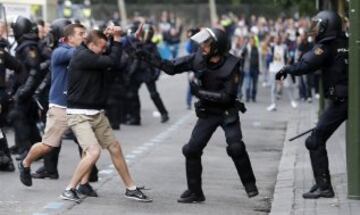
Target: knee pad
(236, 150)
(313, 141)
(190, 152)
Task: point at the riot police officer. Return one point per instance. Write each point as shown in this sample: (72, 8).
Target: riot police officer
(140, 72)
(6, 62)
(24, 114)
(217, 78)
(330, 54)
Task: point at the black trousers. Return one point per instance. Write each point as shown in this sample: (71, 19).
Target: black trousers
(51, 160)
(23, 118)
(333, 116)
(201, 135)
(134, 99)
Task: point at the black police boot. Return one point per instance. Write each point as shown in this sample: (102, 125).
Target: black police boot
(21, 156)
(42, 173)
(133, 121)
(10, 167)
(94, 174)
(251, 190)
(322, 188)
(189, 196)
(316, 192)
(14, 149)
(164, 118)
(4, 159)
(115, 126)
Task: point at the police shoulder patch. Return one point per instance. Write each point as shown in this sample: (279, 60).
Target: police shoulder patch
(318, 51)
(32, 54)
(237, 79)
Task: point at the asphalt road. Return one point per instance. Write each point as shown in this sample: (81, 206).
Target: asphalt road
(153, 152)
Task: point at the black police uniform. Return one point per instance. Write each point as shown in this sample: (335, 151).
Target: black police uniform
(24, 115)
(6, 62)
(330, 54)
(141, 72)
(115, 109)
(217, 106)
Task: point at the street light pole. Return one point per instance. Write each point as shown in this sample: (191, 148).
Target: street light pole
(122, 9)
(353, 126)
(213, 14)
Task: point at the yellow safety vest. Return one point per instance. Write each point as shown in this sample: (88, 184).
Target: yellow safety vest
(67, 12)
(87, 12)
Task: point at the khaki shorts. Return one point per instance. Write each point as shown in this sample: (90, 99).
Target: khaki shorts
(56, 125)
(91, 129)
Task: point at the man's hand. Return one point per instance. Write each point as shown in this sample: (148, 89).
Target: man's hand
(139, 31)
(114, 31)
(281, 75)
(142, 54)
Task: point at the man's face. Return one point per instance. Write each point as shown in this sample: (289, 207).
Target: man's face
(41, 31)
(314, 27)
(99, 47)
(205, 47)
(78, 37)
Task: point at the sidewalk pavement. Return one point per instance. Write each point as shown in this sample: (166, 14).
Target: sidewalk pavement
(295, 173)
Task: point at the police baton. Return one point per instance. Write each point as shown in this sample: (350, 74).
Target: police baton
(301, 134)
(38, 103)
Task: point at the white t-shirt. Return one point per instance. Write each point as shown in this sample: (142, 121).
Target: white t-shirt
(278, 58)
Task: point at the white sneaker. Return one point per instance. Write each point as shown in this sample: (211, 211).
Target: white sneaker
(294, 104)
(272, 107)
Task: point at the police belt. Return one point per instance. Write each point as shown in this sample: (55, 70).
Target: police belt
(338, 93)
(202, 110)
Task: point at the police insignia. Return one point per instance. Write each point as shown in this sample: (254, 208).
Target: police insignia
(318, 51)
(32, 54)
(236, 78)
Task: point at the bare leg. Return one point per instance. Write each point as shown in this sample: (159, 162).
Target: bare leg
(88, 160)
(85, 178)
(120, 164)
(36, 151)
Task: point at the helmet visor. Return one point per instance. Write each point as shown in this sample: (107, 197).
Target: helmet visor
(314, 27)
(201, 36)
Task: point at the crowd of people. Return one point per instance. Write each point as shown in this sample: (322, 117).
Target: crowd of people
(87, 81)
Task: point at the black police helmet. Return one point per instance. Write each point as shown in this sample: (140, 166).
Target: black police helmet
(220, 43)
(131, 29)
(20, 26)
(328, 25)
(57, 27)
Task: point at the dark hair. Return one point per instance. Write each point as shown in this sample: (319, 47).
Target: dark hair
(69, 30)
(95, 35)
(41, 22)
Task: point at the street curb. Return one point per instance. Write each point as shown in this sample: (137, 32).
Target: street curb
(284, 192)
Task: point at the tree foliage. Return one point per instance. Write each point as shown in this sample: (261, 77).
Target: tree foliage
(305, 6)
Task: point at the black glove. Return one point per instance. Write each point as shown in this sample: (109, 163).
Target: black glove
(194, 88)
(282, 74)
(142, 54)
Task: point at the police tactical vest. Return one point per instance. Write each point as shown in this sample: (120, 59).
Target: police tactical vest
(212, 78)
(335, 71)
